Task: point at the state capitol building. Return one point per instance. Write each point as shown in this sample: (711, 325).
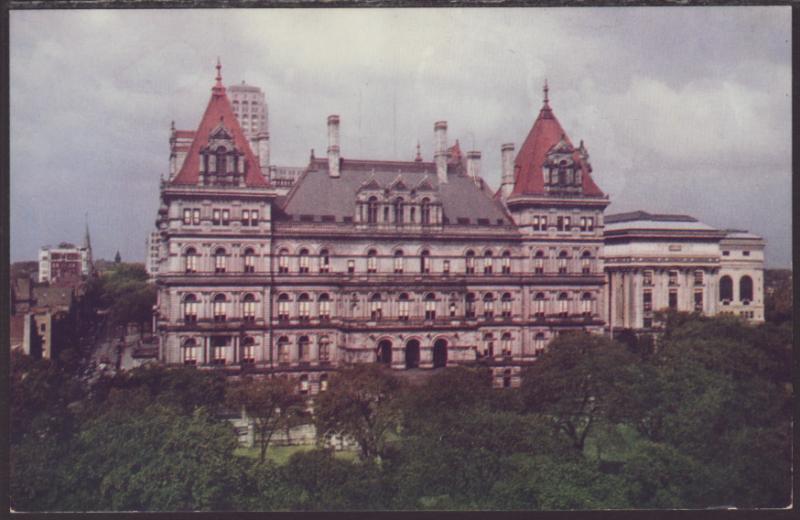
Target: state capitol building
(413, 264)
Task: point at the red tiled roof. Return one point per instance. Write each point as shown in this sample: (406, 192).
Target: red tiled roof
(545, 133)
(219, 109)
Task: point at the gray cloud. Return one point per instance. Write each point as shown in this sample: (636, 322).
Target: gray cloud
(683, 110)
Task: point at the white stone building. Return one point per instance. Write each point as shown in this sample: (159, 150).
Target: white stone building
(414, 264)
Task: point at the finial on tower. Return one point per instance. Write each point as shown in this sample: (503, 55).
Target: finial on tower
(418, 158)
(219, 71)
(546, 90)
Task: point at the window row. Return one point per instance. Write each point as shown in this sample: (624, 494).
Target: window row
(673, 278)
(399, 212)
(221, 217)
(726, 295)
(220, 308)
(220, 260)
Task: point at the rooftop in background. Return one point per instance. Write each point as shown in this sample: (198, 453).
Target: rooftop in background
(643, 215)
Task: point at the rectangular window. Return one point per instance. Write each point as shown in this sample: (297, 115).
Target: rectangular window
(446, 267)
(583, 223)
(673, 278)
(304, 308)
(535, 223)
(351, 266)
(215, 217)
(372, 264)
(567, 226)
(245, 217)
(673, 300)
(324, 310)
(187, 216)
(226, 217)
(726, 253)
(254, 217)
(402, 310)
(376, 313)
(430, 310)
(544, 222)
(698, 277)
(647, 301)
(190, 355)
(698, 301)
(283, 310)
(398, 264)
(426, 264)
(196, 217)
(647, 278)
(249, 311)
(506, 265)
(745, 253)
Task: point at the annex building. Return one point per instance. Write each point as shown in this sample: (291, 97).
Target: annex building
(414, 264)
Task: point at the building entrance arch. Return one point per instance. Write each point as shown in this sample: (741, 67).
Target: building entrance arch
(412, 354)
(440, 353)
(384, 352)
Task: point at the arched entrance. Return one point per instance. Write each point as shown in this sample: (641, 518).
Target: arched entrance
(412, 354)
(440, 353)
(385, 352)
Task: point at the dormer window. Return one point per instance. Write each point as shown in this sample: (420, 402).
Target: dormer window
(221, 160)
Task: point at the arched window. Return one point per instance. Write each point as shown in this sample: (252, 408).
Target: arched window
(324, 306)
(403, 307)
(372, 210)
(249, 307)
(425, 261)
(190, 308)
(745, 289)
(303, 350)
(375, 307)
(430, 306)
(488, 345)
(303, 260)
(283, 350)
(191, 260)
(398, 261)
(488, 306)
(372, 261)
(324, 349)
(539, 302)
(469, 258)
(283, 261)
(469, 305)
(586, 262)
(563, 304)
(506, 262)
(587, 304)
(725, 290)
(190, 352)
(538, 344)
(398, 211)
(505, 344)
(304, 307)
(220, 311)
(221, 170)
(219, 350)
(563, 258)
(249, 260)
(283, 307)
(248, 350)
(488, 262)
(220, 260)
(506, 305)
(324, 261)
(426, 211)
(538, 262)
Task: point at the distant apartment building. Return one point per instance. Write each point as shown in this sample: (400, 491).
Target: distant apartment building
(66, 263)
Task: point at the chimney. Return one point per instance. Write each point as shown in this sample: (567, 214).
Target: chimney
(440, 150)
(333, 146)
(262, 150)
(474, 165)
(507, 155)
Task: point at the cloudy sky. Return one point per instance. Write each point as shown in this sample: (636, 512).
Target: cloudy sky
(683, 110)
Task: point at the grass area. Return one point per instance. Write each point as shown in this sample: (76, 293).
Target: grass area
(280, 454)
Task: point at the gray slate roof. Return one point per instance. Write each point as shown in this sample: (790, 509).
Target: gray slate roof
(318, 194)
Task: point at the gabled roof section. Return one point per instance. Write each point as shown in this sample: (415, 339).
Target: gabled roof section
(219, 113)
(398, 184)
(370, 184)
(424, 185)
(545, 135)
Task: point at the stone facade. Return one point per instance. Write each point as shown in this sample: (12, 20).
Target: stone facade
(414, 264)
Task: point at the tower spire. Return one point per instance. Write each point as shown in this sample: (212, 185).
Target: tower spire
(87, 241)
(218, 87)
(546, 90)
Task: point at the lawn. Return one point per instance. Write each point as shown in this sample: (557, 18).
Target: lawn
(280, 454)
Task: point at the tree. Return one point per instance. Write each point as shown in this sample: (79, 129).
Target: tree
(778, 295)
(362, 402)
(577, 382)
(272, 403)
